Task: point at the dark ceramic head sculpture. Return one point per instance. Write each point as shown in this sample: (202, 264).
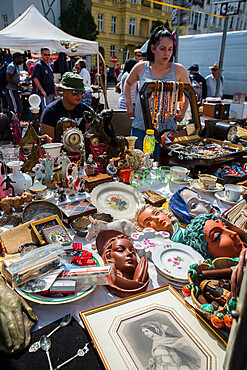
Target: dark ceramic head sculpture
(132, 276)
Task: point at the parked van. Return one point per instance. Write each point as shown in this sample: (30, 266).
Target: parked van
(204, 50)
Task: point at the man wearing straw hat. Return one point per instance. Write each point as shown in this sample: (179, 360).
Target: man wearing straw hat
(211, 81)
(68, 106)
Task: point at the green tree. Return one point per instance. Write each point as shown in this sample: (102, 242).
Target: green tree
(78, 22)
(160, 23)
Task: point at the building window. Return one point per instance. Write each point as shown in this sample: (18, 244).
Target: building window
(146, 3)
(199, 19)
(195, 22)
(113, 24)
(101, 22)
(157, 6)
(208, 2)
(113, 50)
(220, 19)
(231, 23)
(5, 20)
(133, 1)
(192, 17)
(205, 21)
(237, 24)
(132, 26)
(167, 8)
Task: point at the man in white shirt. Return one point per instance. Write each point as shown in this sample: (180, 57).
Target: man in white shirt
(211, 81)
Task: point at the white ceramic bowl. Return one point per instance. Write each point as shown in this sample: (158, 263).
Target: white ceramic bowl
(53, 149)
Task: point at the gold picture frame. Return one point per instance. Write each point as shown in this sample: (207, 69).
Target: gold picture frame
(39, 225)
(154, 328)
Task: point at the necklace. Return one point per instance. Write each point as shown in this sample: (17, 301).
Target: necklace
(179, 99)
(161, 100)
(155, 105)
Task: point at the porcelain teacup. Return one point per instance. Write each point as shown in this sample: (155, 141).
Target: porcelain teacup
(180, 173)
(208, 181)
(233, 192)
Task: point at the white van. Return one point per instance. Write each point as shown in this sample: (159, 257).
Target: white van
(204, 50)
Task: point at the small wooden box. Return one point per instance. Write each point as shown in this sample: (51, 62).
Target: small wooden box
(91, 181)
(153, 198)
(212, 109)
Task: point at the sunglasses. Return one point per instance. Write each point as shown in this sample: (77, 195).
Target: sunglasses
(46, 55)
(139, 55)
(214, 69)
(76, 92)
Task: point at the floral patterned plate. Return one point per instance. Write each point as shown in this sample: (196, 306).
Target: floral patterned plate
(120, 200)
(174, 259)
(146, 241)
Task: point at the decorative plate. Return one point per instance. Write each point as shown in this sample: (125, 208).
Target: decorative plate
(181, 182)
(197, 185)
(174, 259)
(83, 291)
(39, 209)
(146, 241)
(120, 200)
(221, 196)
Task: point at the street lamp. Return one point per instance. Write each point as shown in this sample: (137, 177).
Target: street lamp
(73, 47)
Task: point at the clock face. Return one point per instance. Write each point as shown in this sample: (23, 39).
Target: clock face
(74, 139)
(231, 134)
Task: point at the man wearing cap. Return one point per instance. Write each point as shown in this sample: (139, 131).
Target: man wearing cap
(211, 81)
(13, 84)
(68, 106)
(198, 78)
(43, 78)
(138, 55)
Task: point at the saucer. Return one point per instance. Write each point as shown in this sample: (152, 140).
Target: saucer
(221, 196)
(182, 181)
(197, 185)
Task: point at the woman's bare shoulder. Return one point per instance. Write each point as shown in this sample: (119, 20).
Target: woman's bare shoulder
(181, 73)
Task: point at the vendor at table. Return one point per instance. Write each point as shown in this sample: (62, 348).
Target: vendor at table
(68, 106)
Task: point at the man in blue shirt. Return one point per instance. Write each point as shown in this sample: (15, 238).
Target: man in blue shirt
(43, 78)
(68, 106)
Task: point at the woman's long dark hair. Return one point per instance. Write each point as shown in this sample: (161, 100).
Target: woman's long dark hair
(158, 34)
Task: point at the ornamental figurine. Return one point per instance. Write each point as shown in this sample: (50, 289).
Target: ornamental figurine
(209, 235)
(91, 166)
(64, 161)
(111, 169)
(48, 163)
(132, 275)
(186, 204)
(158, 219)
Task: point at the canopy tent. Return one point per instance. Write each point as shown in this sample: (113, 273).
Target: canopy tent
(32, 31)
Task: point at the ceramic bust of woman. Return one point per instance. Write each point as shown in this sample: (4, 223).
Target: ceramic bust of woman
(186, 204)
(209, 235)
(159, 219)
(132, 276)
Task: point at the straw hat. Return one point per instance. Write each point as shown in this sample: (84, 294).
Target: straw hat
(216, 66)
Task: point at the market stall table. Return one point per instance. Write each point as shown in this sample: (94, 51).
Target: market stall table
(101, 295)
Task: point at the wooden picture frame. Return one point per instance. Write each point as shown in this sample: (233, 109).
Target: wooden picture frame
(38, 226)
(154, 328)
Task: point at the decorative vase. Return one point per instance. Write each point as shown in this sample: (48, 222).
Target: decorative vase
(3, 193)
(20, 180)
(131, 141)
(125, 174)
